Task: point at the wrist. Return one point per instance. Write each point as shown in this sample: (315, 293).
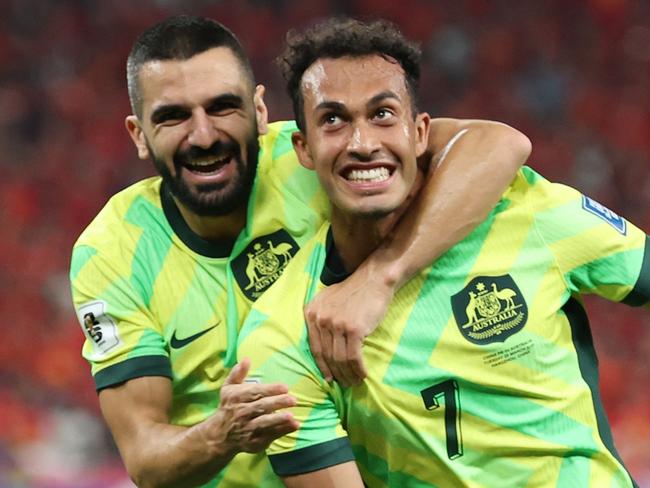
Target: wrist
(215, 445)
(389, 273)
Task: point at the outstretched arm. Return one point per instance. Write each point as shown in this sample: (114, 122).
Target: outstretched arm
(159, 454)
(471, 164)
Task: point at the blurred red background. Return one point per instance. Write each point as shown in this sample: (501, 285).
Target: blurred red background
(573, 76)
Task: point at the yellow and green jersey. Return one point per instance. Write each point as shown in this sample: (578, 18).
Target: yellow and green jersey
(483, 373)
(154, 299)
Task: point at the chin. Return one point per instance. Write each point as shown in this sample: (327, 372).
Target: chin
(371, 213)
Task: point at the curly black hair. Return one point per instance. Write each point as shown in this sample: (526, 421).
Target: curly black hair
(344, 36)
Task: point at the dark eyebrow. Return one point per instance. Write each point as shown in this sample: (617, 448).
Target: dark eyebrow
(338, 106)
(382, 96)
(330, 105)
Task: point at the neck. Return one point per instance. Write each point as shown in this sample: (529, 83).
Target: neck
(219, 228)
(357, 237)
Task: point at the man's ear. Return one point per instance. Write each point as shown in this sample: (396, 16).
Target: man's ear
(134, 129)
(302, 150)
(261, 112)
(422, 126)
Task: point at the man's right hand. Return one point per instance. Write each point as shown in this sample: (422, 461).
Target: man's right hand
(160, 454)
(248, 419)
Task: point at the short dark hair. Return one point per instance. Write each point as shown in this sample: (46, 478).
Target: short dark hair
(179, 37)
(344, 36)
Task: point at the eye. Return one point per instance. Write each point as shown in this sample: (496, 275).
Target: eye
(223, 108)
(383, 115)
(331, 121)
(170, 117)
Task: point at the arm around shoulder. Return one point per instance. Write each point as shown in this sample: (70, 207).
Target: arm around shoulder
(469, 164)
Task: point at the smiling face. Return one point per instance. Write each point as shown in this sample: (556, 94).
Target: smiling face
(361, 136)
(200, 121)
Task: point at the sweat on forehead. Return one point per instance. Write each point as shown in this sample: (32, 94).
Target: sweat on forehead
(368, 77)
(339, 37)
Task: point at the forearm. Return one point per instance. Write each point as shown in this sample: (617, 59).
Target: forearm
(464, 183)
(172, 456)
(155, 452)
(159, 454)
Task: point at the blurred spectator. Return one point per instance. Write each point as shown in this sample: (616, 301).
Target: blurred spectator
(573, 75)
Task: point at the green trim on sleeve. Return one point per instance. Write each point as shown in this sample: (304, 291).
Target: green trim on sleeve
(312, 458)
(588, 364)
(640, 294)
(133, 368)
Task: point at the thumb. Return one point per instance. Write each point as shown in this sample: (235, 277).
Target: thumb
(238, 373)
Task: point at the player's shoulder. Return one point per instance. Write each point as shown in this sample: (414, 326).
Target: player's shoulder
(276, 147)
(123, 215)
(538, 192)
(282, 128)
(285, 299)
(530, 182)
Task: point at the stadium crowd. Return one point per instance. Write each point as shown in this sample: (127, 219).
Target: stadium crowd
(573, 76)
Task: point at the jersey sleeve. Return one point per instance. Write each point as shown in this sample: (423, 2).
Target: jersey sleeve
(275, 338)
(122, 341)
(596, 250)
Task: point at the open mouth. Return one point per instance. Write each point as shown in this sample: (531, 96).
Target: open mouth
(206, 166)
(368, 175)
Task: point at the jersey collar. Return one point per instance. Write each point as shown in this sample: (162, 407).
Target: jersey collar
(334, 269)
(221, 249)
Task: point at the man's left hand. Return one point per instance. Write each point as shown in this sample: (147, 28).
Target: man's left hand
(339, 318)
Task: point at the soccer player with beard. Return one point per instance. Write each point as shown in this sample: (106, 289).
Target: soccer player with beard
(165, 274)
(483, 372)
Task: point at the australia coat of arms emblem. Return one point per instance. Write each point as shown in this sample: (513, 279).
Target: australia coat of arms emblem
(262, 262)
(489, 309)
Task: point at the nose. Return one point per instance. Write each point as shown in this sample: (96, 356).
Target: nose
(363, 141)
(202, 131)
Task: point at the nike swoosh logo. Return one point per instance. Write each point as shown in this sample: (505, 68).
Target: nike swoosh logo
(177, 343)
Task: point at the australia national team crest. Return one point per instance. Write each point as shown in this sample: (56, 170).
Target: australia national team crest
(262, 262)
(489, 309)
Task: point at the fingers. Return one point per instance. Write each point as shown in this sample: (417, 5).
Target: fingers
(316, 342)
(238, 373)
(336, 350)
(252, 416)
(250, 392)
(265, 429)
(267, 405)
(355, 359)
(339, 359)
(276, 424)
(347, 360)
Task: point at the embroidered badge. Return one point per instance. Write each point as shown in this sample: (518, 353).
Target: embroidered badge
(262, 262)
(100, 328)
(489, 309)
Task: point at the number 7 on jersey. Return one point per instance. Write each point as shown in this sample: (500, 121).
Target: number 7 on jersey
(449, 391)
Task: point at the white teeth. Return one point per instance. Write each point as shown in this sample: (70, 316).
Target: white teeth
(374, 175)
(207, 162)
